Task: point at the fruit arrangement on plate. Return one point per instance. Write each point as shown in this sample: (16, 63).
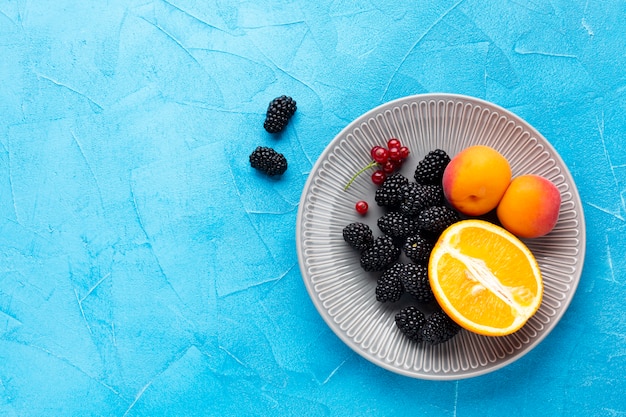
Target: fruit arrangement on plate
(459, 223)
(345, 294)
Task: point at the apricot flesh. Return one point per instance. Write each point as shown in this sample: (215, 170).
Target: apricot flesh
(530, 206)
(475, 180)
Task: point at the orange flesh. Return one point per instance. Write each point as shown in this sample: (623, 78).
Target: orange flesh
(485, 281)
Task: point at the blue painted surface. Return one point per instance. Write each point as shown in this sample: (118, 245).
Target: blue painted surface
(147, 270)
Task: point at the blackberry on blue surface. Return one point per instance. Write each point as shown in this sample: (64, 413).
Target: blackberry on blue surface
(389, 286)
(358, 235)
(278, 114)
(437, 219)
(397, 225)
(380, 255)
(439, 328)
(391, 191)
(269, 161)
(415, 282)
(410, 321)
(430, 169)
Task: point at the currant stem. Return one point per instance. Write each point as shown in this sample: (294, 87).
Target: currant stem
(368, 166)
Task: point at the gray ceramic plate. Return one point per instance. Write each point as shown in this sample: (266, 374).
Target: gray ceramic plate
(344, 294)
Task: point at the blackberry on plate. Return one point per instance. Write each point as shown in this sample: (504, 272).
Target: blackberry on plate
(410, 321)
(269, 161)
(417, 197)
(439, 328)
(380, 255)
(430, 169)
(389, 286)
(278, 114)
(358, 235)
(417, 248)
(437, 219)
(391, 191)
(415, 282)
(397, 225)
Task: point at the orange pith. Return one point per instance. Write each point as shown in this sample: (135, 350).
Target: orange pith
(485, 278)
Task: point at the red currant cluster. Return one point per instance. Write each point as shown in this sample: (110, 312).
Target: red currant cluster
(389, 159)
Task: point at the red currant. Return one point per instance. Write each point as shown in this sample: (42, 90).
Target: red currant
(378, 177)
(380, 155)
(394, 154)
(374, 150)
(393, 143)
(404, 152)
(389, 167)
(361, 207)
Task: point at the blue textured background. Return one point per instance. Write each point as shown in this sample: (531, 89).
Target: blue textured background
(147, 270)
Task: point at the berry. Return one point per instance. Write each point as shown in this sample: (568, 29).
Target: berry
(394, 154)
(389, 285)
(439, 328)
(417, 248)
(410, 321)
(389, 167)
(374, 150)
(430, 169)
(269, 161)
(278, 114)
(358, 235)
(436, 219)
(393, 143)
(404, 152)
(419, 197)
(380, 154)
(434, 194)
(390, 193)
(380, 255)
(415, 282)
(378, 177)
(397, 225)
(361, 207)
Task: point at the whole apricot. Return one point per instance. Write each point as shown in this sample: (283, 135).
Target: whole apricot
(475, 180)
(530, 206)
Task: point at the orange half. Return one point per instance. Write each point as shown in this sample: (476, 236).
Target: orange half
(485, 278)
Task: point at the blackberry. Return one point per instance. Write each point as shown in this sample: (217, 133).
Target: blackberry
(439, 328)
(391, 191)
(430, 169)
(380, 255)
(418, 197)
(389, 285)
(436, 219)
(417, 248)
(358, 235)
(278, 114)
(415, 282)
(397, 225)
(269, 161)
(410, 321)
